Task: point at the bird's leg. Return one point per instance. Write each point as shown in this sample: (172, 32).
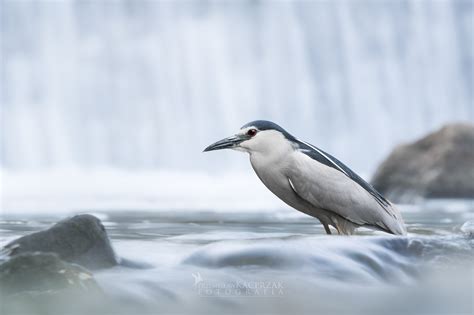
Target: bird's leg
(326, 228)
(338, 227)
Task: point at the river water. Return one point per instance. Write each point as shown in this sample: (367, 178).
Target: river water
(279, 261)
(103, 102)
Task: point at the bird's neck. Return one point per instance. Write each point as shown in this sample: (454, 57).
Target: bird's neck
(269, 159)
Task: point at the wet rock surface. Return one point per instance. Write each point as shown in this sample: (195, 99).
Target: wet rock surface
(37, 283)
(440, 165)
(43, 272)
(81, 239)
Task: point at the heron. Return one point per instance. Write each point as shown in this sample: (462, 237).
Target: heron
(313, 181)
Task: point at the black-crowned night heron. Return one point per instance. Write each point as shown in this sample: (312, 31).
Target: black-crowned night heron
(312, 181)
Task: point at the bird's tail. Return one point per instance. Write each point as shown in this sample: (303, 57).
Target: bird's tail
(395, 224)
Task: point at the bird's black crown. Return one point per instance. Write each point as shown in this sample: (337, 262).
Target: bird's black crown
(268, 125)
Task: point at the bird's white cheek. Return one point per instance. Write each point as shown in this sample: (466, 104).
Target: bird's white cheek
(247, 145)
(240, 149)
(243, 147)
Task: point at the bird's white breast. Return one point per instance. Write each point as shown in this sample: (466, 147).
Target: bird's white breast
(273, 169)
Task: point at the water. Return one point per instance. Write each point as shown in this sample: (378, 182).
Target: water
(107, 105)
(113, 83)
(279, 261)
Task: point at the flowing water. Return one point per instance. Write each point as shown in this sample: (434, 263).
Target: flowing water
(114, 83)
(280, 261)
(107, 105)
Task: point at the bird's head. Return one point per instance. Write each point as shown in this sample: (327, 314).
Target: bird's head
(257, 136)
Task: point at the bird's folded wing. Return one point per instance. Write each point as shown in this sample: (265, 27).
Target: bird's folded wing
(327, 159)
(327, 188)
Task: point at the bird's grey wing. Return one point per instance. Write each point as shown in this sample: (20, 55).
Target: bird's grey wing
(327, 159)
(331, 189)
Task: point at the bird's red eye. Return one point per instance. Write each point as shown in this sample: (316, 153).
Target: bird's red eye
(252, 132)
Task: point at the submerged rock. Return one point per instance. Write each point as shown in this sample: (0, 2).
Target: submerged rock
(43, 273)
(440, 165)
(81, 239)
(42, 283)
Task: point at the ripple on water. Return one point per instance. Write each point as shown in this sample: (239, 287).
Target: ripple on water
(343, 258)
(468, 228)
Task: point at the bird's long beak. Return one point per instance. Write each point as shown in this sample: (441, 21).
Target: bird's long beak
(227, 143)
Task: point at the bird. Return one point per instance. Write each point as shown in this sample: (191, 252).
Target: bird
(313, 181)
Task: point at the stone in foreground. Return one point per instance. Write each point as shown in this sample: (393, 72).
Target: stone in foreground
(81, 239)
(42, 283)
(43, 272)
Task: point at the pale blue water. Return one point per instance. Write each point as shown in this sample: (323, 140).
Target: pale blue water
(143, 86)
(251, 263)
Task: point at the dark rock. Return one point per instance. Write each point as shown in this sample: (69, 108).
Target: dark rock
(440, 165)
(43, 273)
(42, 283)
(81, 239)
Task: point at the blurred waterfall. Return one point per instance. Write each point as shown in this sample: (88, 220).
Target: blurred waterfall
(148, 84)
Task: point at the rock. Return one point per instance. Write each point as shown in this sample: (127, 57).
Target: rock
(440, 165)
(81, 239)
(41, 273)
(42, 283)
